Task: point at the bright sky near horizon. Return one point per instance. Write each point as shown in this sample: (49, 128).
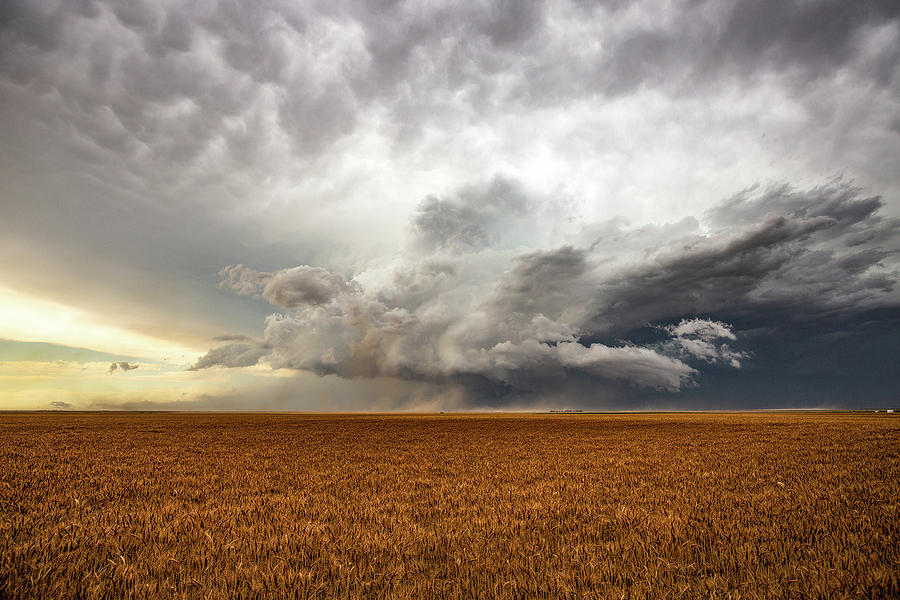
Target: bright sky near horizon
(426, 205)
(30, 319)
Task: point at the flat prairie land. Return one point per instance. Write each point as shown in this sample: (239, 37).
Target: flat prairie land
(167, 505)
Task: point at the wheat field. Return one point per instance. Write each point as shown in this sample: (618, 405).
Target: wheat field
(167, 505)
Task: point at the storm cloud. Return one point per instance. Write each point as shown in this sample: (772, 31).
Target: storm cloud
(506, 202)
(527, 322)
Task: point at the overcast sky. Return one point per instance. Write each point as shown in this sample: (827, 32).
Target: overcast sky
(449, 205)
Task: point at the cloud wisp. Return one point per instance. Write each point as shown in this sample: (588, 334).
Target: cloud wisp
(122, 366)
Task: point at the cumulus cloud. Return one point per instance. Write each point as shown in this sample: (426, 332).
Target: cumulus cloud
(289, 288)
(524, 322)
(242, 280)
(699, 338)
(304, 285)
(122, 366)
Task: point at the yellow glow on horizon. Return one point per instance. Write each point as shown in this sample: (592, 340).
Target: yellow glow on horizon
(31, 319)
(161, 379)
(30, 385)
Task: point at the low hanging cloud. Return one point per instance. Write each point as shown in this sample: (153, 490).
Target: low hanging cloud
(459, 308)
(122, 366)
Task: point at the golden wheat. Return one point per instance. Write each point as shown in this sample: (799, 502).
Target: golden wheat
(449, 506)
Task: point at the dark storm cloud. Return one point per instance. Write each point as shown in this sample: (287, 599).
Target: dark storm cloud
(153, 87)
(122, 366)
(704, 277)
(694, 43)
(703, 43)
(169, 94)
(816, 37)
(153, 142)
(774, 257)
(813, 253)
(544, 283)
(136, 88)
(837, 200)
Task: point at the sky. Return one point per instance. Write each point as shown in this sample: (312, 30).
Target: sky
(510, 205)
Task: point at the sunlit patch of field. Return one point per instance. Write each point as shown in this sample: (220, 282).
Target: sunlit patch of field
(449, 506)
